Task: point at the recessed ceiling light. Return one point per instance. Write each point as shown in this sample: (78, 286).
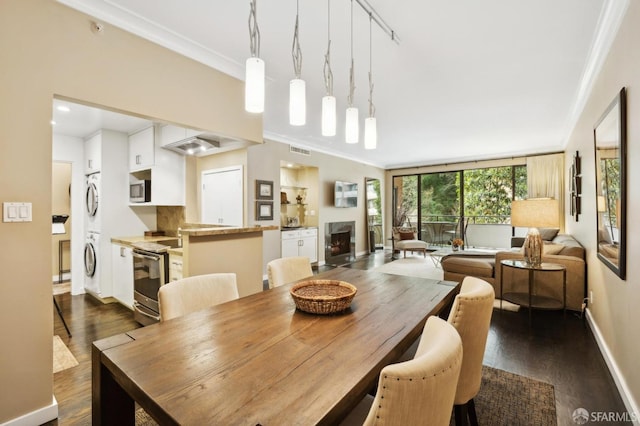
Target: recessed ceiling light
(53, 122)
(63, 108)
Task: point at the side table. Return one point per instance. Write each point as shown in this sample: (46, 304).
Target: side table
(530, 300)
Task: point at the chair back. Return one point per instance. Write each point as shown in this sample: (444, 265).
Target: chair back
(192, 294)
(287, 270)
(471, 316)
(421, 391)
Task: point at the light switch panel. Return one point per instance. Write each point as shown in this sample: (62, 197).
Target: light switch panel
(17, 212)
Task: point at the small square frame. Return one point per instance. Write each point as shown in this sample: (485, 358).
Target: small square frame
(264, 210)
(264, 189)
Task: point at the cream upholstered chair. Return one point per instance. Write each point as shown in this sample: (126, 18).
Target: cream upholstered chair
(419, 391)
(471, 316)
(406, 238)
(195, 293)
(287, 270)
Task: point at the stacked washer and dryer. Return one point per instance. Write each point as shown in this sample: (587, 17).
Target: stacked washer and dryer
(92, 261)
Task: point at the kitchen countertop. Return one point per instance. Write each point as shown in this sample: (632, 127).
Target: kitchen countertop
(226, 230)
(296, 228)
(128, 241)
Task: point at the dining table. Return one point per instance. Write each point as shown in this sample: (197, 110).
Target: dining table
(258, 360)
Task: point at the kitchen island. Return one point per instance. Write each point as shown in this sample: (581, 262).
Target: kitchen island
(226, 249)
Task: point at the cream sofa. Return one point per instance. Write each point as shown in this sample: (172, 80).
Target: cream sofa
(571, 255)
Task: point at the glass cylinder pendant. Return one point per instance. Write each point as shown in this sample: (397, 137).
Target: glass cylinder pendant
(254, 85)
(370, 133)
(328, 116)
(297, 102)
(351, 129)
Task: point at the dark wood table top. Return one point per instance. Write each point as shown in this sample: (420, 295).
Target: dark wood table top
(258, 360)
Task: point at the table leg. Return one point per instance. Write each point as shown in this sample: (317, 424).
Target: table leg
(530, 294)
(501, 284)
(110, 403)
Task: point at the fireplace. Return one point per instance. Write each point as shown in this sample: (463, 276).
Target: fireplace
(340, 243)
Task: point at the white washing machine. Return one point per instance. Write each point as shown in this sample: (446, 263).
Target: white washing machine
(92, 202)
(92, 262)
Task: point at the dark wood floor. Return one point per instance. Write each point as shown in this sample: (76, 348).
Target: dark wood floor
(556, 349)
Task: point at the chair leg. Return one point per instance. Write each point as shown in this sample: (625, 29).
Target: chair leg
(471, 408)
(460, 414)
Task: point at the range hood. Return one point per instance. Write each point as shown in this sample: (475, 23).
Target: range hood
(195, 145)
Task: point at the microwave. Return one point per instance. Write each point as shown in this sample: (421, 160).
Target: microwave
(140, 191)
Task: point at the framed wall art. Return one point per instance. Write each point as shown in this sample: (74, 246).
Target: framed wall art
(264, 189)
(264, 210)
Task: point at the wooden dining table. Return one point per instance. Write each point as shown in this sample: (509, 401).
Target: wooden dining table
(260, 361)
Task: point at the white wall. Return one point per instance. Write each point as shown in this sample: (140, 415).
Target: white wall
(71, 150)
(614, 313)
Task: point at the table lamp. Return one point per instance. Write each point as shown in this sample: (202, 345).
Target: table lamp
(534, 213)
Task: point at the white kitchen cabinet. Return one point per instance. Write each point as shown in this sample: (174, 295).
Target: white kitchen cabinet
(93, 154)
(141, 149)
(222, 196)
(300, 242)
(170, 134)
(175, 267)
(122, 274)
(166, 171)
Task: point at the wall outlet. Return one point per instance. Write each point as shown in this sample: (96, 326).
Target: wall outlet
(591, 297)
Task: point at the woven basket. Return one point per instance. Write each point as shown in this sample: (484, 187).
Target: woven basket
(323, 296)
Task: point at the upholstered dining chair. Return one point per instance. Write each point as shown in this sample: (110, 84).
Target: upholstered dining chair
(192, 294)
(288, 269)
(419, 391)
(471, 317)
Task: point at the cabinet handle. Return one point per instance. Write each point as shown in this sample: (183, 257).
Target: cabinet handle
(122, 252)
(90, 164)
(138, 159)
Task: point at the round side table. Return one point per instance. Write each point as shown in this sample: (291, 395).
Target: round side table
(530, 300)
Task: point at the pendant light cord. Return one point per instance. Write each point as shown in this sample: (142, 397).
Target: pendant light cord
(254, 31)
(372, 108)
(328, 74)
(296, 52)
(352, 86)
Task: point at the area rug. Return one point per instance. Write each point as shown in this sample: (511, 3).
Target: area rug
(509, 399)
(425, 268)
(412, 267)
(62, 356)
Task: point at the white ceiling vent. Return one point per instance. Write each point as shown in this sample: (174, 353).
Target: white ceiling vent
(298, 150)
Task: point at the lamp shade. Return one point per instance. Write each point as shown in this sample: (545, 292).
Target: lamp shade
(297, 102)
(328, 116)
(535, 213)
(370, 133)
(254, 85)
(351, 128)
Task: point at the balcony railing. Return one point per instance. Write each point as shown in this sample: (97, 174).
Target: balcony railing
(440, 230)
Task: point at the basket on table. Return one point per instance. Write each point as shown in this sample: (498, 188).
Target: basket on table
(323, 296)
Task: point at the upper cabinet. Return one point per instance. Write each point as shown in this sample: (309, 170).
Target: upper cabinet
(141, 149)
(170, 134)
(165, 169)
(93, 154)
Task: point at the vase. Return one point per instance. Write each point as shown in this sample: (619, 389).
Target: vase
(455, 248)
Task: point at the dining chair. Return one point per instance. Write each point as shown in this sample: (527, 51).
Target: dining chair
(192, 294)
(419, 391)
(471, 317)
(288, 269)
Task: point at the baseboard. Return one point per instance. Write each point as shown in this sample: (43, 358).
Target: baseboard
(618, 378)
(37, 417)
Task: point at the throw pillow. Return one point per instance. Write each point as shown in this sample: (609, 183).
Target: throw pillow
(548, 234)
(552, 248)
(406, 235)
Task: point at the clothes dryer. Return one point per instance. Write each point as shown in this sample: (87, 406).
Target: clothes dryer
(92, 262)
(92, 202)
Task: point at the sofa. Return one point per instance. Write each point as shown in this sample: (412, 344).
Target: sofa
(559, 248)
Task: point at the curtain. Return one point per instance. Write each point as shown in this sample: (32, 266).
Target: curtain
(545, 179)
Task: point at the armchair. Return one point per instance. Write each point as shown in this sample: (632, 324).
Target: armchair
(406, 238)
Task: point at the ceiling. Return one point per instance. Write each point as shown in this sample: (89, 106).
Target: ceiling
(467, 80)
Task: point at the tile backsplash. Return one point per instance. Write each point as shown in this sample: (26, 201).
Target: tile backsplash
(170, 218)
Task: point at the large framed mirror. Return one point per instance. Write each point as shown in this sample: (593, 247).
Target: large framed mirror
(610, 142)
(374, 214)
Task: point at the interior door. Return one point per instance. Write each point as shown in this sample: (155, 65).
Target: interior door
(222, 195)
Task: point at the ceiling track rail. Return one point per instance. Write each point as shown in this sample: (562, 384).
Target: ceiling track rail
(375, 16)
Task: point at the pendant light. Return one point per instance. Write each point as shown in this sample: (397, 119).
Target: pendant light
(328, 101)
(254, 77)
(370, 126)
(297, 86)
(351, 129)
